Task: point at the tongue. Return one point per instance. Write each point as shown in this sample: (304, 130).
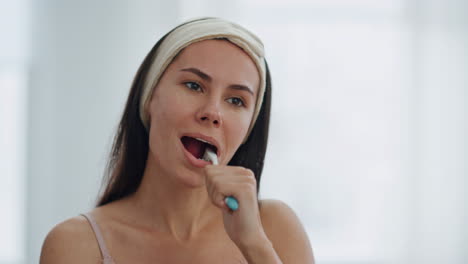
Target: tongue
(197, 148)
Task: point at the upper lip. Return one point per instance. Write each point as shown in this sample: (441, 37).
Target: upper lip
(208, 139)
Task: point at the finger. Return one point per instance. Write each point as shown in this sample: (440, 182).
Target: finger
(236, 174)
(218, 194)
(220, 184)
(242, 192)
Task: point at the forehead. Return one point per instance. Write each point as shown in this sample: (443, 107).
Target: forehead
(220, 59)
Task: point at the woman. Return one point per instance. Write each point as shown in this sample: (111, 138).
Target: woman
(204, 85)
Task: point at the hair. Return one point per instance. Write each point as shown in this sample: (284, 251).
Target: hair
(129, 152)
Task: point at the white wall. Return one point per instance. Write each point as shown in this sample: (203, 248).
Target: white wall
(14, 58)
(84, 56)
(438, 128)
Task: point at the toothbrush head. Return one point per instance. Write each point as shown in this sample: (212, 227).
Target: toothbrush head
(210, 156)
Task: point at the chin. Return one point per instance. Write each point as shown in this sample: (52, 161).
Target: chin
(191, 179)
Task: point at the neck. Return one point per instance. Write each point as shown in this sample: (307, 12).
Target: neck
(164, 203)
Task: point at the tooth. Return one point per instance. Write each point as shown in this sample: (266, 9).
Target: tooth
(203, 140)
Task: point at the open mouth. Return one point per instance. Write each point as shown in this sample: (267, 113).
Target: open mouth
(196, 146)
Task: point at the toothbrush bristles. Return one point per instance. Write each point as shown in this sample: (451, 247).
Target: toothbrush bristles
(210, 156)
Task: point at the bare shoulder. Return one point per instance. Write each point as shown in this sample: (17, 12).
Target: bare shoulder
(71, 241)
(286, 232)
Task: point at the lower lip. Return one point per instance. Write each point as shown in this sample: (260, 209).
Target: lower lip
(193, 160)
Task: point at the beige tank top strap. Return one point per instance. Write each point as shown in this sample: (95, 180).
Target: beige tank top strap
(107, 259)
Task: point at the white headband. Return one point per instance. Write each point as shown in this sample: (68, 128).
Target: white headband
(197, 30)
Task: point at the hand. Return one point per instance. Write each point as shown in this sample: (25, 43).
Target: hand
(244, 225)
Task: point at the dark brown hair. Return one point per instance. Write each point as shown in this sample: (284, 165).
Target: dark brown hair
(130, 147)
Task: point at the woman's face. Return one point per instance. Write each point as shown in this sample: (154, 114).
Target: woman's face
(207, 94)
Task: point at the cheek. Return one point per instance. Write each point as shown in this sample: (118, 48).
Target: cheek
(237, 128)
(167, 109)
(166, 113)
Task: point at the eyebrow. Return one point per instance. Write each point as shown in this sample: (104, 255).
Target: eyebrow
(208, 78)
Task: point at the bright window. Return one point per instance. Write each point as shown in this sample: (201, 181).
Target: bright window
(12, 164)
(14, 19)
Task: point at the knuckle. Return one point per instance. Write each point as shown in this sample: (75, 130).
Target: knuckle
(251, 179)
(247, 172)
(248, 186)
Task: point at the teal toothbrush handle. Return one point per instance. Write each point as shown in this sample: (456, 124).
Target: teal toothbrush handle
(232, 203)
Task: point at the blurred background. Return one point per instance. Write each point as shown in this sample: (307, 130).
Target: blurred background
(368, 127)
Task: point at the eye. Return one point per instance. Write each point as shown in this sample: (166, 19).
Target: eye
(236, 101)
(193, 86)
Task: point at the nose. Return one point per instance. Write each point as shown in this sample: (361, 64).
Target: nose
(210, 115)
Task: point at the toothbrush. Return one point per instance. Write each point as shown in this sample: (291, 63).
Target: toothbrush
(230, 201)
